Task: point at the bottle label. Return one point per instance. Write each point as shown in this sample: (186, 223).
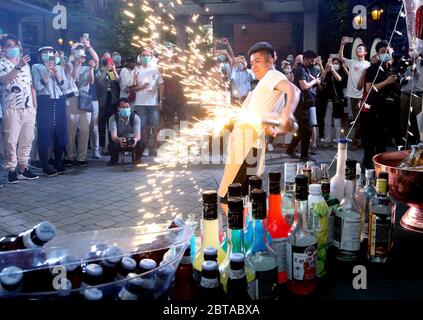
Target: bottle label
(347, 232)
(265, 284)
(279, 248)
(380, 237)
(209, 283)
(236, 274)
(302, 262)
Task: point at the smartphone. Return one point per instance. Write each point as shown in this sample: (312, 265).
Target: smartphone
(350, 40)
(86, 36)
(110, 61)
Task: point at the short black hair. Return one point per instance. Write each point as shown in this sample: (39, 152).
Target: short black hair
(124, 100)
(7, 37)
(380, 45)
(362, 45)
(262, 47)
(130, 59)
(309, 54)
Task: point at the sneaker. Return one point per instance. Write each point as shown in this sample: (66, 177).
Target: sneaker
(12, 178)
(61, 170)
(270, 147)
(27, 175)
(96, 154)
(146, 153)
(313, 151)
(67, 163)
(323, 140)
(292, 154)
(50, 172)
(104, 150)
(83, 163)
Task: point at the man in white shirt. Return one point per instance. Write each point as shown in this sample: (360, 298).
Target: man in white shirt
(355, 67)
(247, 141)
(18, 99)
(149, 90)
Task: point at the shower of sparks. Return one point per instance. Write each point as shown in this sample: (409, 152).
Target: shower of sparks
(203, 87)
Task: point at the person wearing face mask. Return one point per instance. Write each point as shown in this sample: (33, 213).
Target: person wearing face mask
(50, 82)
(287, 71)
(80, 78)
(149, 90)
(305, 81)
(126, 78)
(107, 84)
(355, 67)
(332, 101)
(18, 100)
(125, 130)
(240, 78)
(117, 60)
(374, 118)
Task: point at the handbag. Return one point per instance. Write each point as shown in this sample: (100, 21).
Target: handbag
(85, 101)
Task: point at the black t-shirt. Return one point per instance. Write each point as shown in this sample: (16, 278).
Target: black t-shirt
(376, 98)
(332, 87)
(308, 97)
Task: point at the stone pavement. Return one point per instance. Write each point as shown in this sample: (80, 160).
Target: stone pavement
(101, 197)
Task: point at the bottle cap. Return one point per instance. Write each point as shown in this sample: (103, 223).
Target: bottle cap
(148, 264)
(370, 173)
(209, 265)
(235, 190)
(342, 141)
(255, 182)
(210, 253)
(112, 255)
(134, 279)
(128, 263)
(384, 175)
(315, 189)
(11, 276)
(70, 262)
(93, 294)
(43, 232)
(210, 197)
(236, 257)
(236, 213)
(275, 176)
(94, 270)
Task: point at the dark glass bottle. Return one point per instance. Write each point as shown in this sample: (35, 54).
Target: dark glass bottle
(237, 280)
(210, 290)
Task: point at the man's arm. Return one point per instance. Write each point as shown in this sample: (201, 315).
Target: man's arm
(341, 49)
(308, 85)
(292, 98)
(8, 78)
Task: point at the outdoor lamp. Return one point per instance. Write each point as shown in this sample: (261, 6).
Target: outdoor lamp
(60, 41)
(71, 43)
(376, 13)
(358, 19)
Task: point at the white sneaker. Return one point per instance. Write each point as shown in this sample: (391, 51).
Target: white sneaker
(270, 147)
(96, 154)
(323, 140)
(145, 153)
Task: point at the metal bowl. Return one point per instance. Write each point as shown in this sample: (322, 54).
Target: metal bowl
(405, 185)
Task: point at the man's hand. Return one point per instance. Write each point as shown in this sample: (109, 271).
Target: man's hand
(391, 79)
(91, 63)
(86, 42)
(23, 61)
(225, 41)
(344, 40)
(122, 142)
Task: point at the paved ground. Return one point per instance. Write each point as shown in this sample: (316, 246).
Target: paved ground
(101, 197)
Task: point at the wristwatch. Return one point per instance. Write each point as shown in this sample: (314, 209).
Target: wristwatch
(18, 68)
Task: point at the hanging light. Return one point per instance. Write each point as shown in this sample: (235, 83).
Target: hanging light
(376, 13)
(358, 19)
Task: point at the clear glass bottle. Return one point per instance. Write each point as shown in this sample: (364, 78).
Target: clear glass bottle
(261, 257)
(380, 225)
(234, 190)
(364, 195)
(192, 243)
(324, 173)
(277, 225)
(347, 230)
(302, 246)
(333, 205)
(288, 201)
(318, 214)
(337, 183)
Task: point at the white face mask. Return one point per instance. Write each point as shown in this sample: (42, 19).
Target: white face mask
(336, 67)
(79, 53)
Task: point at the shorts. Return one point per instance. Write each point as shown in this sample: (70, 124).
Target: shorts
(149, 115)
(313, 116)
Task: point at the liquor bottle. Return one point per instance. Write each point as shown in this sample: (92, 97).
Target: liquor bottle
(288, 201)
(235, 238)
(210, 230)
(92, 275)
(302, 246)
(148, 279)
(277, 225)
(110, 260)
(261, 257)
(307, 172)
(11, 279)
(33, 238)
(347, 231)
(315, 175)
(380, 224)
(358, 180)
(365, 194)
(234, 190)
(324, 171)
(318, 213)
(132, 288)
(237, 281)
(192, 243)
(185, 287)
(333, 205)
(210, 288)
(254, 182)
(73, 270)
(337, 183)
(127, 265)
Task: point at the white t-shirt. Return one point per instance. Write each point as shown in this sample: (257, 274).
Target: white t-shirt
(149, 96)
(126, 80)
(355, 72)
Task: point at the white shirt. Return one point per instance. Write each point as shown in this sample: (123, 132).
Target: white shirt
(356, 68)
(241, 82)
(82, 80)
(52, 88)
(126, 80)
(18, 93)
(149, 96)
